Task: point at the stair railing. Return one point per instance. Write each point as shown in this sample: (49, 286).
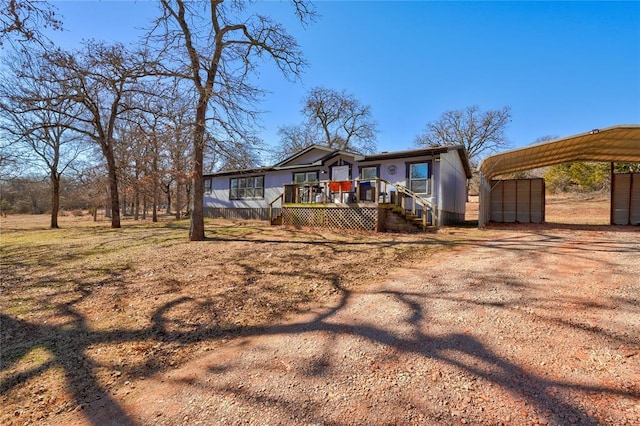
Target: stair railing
(279, 197)
(416, 199)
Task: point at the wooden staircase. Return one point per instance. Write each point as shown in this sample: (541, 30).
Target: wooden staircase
(276, 220)
(400, 220)
(421, 216)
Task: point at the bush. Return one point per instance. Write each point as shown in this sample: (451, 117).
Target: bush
(577, 177)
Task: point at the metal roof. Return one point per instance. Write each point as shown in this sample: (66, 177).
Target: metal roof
(619, 143)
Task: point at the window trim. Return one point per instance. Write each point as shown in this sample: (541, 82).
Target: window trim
(208, 186)
(429, 177)
(317, 177)
(252, 186)
(373, 166)
(340, 163)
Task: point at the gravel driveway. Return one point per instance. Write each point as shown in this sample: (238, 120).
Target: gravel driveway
(532, 325)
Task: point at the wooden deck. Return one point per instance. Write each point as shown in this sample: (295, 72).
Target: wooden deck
(374, 205)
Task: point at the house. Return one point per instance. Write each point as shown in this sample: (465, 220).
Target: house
(321, 186)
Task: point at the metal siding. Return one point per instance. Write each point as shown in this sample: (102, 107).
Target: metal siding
(621, 199)
(452, 196)
(496, 201)
(509, 201)
(537, 200)
(523, 201)
(520, 200)
(635, 199)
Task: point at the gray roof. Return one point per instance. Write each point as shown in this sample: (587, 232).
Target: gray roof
(331, 153)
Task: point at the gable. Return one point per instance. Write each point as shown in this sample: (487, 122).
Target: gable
(307, 156)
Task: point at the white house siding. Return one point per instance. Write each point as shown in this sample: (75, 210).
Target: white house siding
(447, 183)
(218, 204)
(400, 175)
(453, 187)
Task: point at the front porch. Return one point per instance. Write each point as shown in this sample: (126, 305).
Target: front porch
(372, 204)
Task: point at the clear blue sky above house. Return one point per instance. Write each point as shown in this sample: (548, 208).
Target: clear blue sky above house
(563, 67)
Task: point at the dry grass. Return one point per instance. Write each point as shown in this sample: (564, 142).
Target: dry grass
(86, 308)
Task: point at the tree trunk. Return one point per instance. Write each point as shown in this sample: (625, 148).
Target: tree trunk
(55, 199)
(136, 201)
(168, 199)
(178, 201)
(154, 205)
(113, 189)
(107, 209)
(144, 207)
(196, 230)
(154, 195)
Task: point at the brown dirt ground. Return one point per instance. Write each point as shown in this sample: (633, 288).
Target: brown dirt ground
(514, 324)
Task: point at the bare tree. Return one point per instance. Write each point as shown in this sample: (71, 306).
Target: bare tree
(94, 183)
(342, 120)
(334, 119)
(215, 46)
(236, 156)
(180, 151)
(104, 81)
(480, 132)
(294, 139)
(23, 20)
(40, 134)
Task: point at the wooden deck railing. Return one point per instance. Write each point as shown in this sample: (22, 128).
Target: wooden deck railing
(375, 191)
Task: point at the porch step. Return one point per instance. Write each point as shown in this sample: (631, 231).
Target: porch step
(398, 220)
(276, 220)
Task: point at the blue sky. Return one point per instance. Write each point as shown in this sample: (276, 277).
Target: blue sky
(562, 67)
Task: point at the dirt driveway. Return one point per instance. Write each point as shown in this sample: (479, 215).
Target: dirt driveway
(534, 325)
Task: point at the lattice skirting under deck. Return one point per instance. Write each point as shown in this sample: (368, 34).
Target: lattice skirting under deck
(365, 218)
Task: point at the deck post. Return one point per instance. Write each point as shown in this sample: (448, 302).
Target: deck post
(326, 191)
(376, 193)
(384, 192)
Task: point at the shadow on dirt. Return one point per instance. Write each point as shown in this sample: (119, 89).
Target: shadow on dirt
(68, 345)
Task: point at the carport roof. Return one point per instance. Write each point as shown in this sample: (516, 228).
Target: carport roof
(619, 143)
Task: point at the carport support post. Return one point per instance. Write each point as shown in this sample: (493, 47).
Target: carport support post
(613, 188)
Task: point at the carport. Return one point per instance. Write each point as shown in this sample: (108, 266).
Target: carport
(619, 143)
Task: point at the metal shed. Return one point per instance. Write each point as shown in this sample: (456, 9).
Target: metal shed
(619, 143)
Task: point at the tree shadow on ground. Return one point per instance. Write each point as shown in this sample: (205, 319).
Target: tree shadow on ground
(68, 346)
(69, 351)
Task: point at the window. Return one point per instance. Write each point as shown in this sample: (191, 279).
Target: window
(368, 173)
(246, 187)
(419, 178)
(305, 177)
(208, 185)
